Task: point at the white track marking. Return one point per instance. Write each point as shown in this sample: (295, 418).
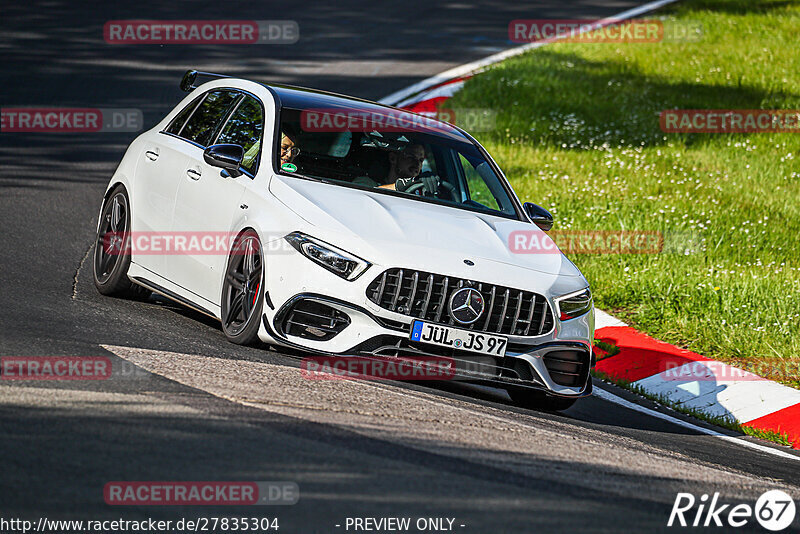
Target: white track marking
(603, 319)
(446, 91)
(610, 397)
(467, 68)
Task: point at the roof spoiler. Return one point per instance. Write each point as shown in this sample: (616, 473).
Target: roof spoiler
(187, 82)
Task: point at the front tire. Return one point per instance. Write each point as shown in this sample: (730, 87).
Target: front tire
(243, 290)
(111, 259)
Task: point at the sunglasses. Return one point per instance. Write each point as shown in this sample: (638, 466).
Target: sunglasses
(292, 150)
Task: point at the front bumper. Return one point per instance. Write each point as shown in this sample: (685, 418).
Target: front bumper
(536, 362)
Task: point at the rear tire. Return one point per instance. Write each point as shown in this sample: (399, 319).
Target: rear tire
(111, 261)
(243, 290)
(538, 400)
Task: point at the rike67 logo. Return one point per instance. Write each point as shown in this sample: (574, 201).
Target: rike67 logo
(774, 510)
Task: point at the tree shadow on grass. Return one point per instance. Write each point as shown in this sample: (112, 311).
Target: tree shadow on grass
(567, 101)
(735, 7)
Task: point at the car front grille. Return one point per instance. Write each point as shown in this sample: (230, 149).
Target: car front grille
(427, 295)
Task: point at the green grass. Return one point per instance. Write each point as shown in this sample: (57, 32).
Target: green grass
(577, 131)
(609, 348)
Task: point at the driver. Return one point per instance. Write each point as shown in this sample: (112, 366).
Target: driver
(404, 168)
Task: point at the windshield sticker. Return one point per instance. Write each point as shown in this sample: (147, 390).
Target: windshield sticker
(289, 167)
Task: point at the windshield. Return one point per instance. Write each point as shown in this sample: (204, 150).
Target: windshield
(416, 160)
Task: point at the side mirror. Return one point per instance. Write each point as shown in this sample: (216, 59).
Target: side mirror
(539, 216)
(226, 157)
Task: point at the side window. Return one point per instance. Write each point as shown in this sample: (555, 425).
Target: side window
(478, 189)
(245, 128)
(203, 123)
(177, 123)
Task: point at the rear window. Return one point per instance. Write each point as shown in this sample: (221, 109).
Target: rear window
(204, 122)
(177, 123)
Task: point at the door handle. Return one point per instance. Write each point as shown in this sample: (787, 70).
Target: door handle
(193, 174)
(152, 155)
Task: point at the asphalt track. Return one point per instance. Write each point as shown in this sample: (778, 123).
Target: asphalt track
(202, 409)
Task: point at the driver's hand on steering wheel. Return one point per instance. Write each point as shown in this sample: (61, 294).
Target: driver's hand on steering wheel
(430, 183)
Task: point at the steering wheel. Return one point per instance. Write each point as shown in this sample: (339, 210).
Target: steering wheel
(416, 189)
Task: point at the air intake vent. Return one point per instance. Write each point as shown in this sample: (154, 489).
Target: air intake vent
(568, 367)
(310, 319)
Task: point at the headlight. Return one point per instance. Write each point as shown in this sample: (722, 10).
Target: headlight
(574, 304)
(334, 259)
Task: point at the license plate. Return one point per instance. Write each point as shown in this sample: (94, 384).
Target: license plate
(455, 338)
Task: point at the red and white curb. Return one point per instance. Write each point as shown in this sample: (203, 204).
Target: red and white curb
(679, 376)
(693, 381)
(428, 101)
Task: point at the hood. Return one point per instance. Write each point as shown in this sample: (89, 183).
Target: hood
(387, 226)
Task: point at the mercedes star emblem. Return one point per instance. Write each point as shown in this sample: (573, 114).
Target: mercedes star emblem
(466, 305)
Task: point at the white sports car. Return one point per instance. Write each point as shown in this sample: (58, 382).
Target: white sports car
(343, 227)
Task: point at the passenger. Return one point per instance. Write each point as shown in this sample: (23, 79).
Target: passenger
(289, 148)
